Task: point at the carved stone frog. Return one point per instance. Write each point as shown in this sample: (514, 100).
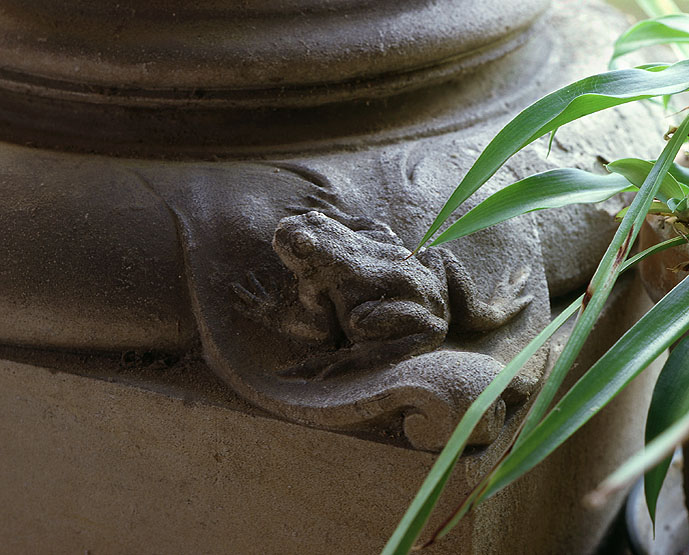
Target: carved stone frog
(359, 286)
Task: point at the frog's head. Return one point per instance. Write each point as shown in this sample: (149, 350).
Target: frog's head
(306, 242)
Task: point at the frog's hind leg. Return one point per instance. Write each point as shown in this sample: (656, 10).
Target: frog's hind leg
(470, 312)
(387, 319)
(361, 358)
(380, 353)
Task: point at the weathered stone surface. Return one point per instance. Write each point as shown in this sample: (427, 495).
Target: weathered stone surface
(254, 52)
(241, 182)
(161, 465)
(117, 254)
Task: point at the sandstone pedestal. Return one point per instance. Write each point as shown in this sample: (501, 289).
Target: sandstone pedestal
(99, 464)
(214, 335)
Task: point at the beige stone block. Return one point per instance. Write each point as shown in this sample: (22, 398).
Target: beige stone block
(108, 465)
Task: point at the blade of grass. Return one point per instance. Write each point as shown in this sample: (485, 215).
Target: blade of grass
(656, 8)
(680, 173)
(473, 498)
(418, 512)
(605, 277)
(526, 451)
(551, 189)
(669, 404)
(567, 104)
(655, 208)
(636, 171)
(562, 187)
(659, 8)
(660, 448)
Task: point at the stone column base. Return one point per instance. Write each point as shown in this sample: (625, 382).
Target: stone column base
(101, 466)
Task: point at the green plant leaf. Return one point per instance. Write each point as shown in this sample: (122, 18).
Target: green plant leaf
(655, 208)
(604, 278)
(681, 174)
(567, 104)
(418, 512)
(540, 436)
(414, 520)
(659, 8)
(637, 348)
(666, 29)
(660, 448)
(656, 8)
(669, 403)
(667, 427)
(551, 189)
(677, 205)
(636, 171)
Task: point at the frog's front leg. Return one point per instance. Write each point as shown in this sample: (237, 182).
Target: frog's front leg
(467, 309)
(312, 323)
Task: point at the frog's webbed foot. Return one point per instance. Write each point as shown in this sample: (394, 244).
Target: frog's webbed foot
(266, 307)
(506, 301)
(256, 302)
(325, 204)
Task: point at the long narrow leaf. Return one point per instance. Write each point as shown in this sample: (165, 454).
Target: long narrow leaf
(414, 520)
(655, 208)
(418, 512)
(657, 8)
(655, 452)
(527, 451)
(567, 104)
(680, 173)
(604, 278)
(551, 189)
(637, 348)
(670, 402)
(636, 171)
(667, 426)
(666, 29)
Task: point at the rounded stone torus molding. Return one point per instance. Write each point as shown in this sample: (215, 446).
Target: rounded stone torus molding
(244, 181)
(227, 78)
(255, 52)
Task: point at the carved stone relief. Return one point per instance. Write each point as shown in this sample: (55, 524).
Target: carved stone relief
(288, 266)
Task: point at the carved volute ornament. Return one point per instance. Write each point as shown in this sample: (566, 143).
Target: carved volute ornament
(245, 179)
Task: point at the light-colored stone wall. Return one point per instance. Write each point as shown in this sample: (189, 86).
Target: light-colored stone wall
(99, 466)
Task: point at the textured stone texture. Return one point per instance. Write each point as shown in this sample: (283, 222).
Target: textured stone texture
(255, 48)
(144, 466)
(119, 254)
(156, 186)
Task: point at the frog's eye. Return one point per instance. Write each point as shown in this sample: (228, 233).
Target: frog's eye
(303, 244)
